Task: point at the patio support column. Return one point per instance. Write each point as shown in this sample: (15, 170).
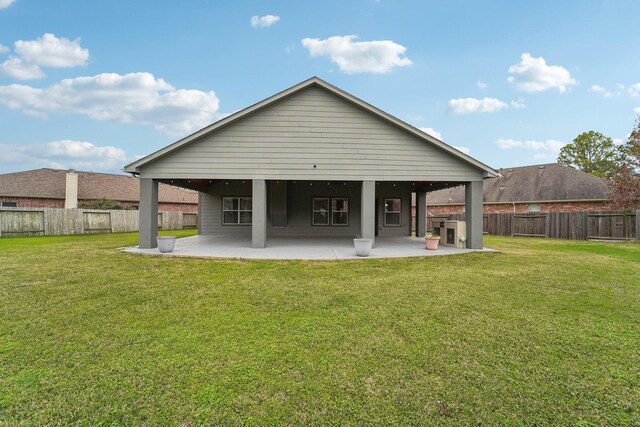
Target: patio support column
(368, 210)
(259, 214)
(473, 213)
(421, 214)
(148, 214)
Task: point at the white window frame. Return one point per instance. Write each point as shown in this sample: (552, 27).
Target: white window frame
(386, 224)
(346, 199)
(330, 212)
(314, 211)
(239, 211)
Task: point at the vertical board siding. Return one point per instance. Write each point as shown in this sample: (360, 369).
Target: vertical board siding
(312, 135)
(15, 222)
(21, 223)
(97, 222)
(558, 225)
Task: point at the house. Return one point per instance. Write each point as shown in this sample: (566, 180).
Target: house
(54, 188)
(536, 188)
(310, 161)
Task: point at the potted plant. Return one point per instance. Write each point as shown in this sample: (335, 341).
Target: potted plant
(166, 243)
(363, 246)
(431, 241)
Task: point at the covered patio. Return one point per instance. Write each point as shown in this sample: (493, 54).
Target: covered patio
(310, 163)
(299, 248)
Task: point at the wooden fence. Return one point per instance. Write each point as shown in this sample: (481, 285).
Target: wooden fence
(560, 225)
(56, 221)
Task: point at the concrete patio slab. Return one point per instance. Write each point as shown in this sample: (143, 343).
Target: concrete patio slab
(300, 248)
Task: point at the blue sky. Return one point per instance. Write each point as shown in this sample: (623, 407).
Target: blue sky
(93, 85)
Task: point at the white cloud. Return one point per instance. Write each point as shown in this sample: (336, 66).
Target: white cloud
(465, 150)
(5, 3)
(634, 89)
(378, 56)
(474, 105)
(51, 51)
(534, 75)
(3, 49)
(127, 98)
(47, 51)
(481, 85)
(21, 70)
(603, 91)
(431, 131)
(518, 104)
(64, 154)
(264, 21)
(636, 110)
(552, 146)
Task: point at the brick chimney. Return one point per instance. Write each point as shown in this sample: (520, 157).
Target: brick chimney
(71, 190)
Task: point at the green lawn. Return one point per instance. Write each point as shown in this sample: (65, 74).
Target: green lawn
(547, 332)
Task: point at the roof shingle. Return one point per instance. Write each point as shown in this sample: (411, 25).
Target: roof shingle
(50, 184)
(531, 184)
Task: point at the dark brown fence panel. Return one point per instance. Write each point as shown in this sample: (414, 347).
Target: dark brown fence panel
(611, 226)
(530, 225)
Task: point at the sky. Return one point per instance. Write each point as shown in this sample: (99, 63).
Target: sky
(95, 85)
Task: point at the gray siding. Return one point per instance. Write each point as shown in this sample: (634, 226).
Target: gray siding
(311, 135)
(299, 196)
(210, 209)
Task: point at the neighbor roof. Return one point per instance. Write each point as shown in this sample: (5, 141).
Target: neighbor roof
(50, 184)
(535, 183)
(313, 81)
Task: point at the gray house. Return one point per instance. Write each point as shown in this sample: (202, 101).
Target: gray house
(309, 161)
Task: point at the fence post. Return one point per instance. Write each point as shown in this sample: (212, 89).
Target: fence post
(638, 225)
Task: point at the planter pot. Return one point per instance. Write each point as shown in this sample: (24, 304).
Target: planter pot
(431, 243)
(166, 243)
(363, 246)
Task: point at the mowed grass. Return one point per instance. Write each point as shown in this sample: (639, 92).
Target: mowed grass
(546, 332)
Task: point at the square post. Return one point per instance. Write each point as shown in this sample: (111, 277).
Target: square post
(259, 213)
(148, 214)
(421, 214)
(368, 210)
(473, 214)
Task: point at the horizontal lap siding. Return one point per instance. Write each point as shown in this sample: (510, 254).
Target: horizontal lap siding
(286, 140)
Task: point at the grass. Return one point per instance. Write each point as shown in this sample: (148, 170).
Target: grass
(547, 332)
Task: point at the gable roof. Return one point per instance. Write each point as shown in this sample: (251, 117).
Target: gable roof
(313, 81)
(50, 184)
(535, 183)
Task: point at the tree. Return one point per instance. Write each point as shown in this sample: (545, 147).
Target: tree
(624, 188)
(100, 204)
(592, 152)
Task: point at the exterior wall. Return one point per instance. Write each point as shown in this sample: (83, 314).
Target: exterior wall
(312, 135)
(23, 202)
(211, 208)
(388, 190)
(596, 206)
(300, 196)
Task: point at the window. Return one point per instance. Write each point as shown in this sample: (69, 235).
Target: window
(392, 212)
(320, 211)
(533, 207)
(330, 211)
(9, 204)
(340, 211)
(236, 210)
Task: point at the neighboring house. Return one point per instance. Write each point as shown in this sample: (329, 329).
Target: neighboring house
(53, 188)
(536, 188)
(311, 161)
